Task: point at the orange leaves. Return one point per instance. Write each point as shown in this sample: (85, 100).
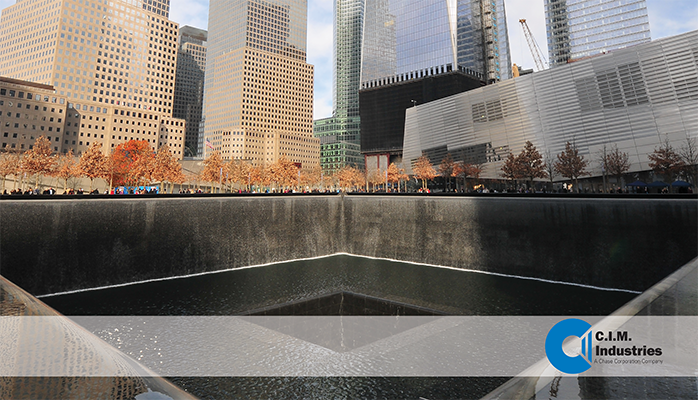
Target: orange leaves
(132, 163)
(423, 170)
(39, 161)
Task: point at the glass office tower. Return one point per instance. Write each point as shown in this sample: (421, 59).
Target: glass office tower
(340, 134)
(404, 36)
(582, 28)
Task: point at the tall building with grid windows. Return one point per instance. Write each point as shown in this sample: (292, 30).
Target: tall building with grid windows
(258, 91)
(583, 28)
(340, 141)
(189, 83)
(111, 62)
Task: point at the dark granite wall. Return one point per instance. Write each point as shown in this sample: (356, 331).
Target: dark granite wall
(54, 245)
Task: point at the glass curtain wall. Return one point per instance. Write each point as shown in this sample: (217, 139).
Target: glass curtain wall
(403, 36)
(583, 28)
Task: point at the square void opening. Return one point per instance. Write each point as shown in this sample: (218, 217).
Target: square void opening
(298, 319)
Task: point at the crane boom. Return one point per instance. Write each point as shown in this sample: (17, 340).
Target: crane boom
(535, 50)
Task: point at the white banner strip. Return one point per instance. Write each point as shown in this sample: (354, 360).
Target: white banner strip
(420, 346)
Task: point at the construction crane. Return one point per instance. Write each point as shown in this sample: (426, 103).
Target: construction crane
(535, 50)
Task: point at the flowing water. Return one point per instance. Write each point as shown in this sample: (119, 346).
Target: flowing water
(447, 291)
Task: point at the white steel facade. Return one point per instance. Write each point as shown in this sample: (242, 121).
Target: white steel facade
(635, 98)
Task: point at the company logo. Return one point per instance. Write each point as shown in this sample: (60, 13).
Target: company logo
(553, 346)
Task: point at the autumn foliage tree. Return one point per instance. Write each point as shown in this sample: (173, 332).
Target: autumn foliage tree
(615, 162)
(531, 163)
(510, 169)
(132, 163)
(423, 170)
(375, 177)
(166, 168)
(349, 178)
(38, 161)
(463, 170)
(527, 165)
(213, 166)
(93, 163)
(446, 170)
(239, 173)
(9, 165)
(570, 164)
(396, 175)
(689, 156)
(311, 176)
(66, 169)
(665, 161)
(283, 173)
(549, 166)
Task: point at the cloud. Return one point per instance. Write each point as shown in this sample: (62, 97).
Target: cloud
(669, 18)
(190, 12)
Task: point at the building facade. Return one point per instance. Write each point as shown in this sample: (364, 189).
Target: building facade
(189, 83)
(402, 37)
(583, 28)
(340, 134)
(635, 98)
(30, 110)
(112, 62)
(258, 90)
(383, 108)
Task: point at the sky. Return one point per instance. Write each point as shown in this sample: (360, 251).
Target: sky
(667, 18)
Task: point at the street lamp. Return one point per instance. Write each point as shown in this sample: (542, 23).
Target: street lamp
(414, 103)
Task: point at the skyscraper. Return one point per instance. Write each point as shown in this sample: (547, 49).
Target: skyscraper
(113, 62)
(423, 50)
(405, 36)
(582, 28)
(339, 134)
(189, 82)
(258, 91)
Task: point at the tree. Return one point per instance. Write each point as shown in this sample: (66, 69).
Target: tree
(424, 171)
(311, 176)
(530, 163)
(16, 157)
(93, 163)
(131, 163)
(550, 168)
(689, 156)
(67, 168)
(166, 168)
(446, 170)
(239, 173)
(396, 174)
(283, 173)
(259, 177)
(375, 177)
(464, 170)
(665, 161)
(570, 164)
(213, 167)
(616, 162)
(349, 178)
(9, 165)
(38, 161)
(510, 168)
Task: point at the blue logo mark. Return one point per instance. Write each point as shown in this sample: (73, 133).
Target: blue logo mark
(553, 346)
